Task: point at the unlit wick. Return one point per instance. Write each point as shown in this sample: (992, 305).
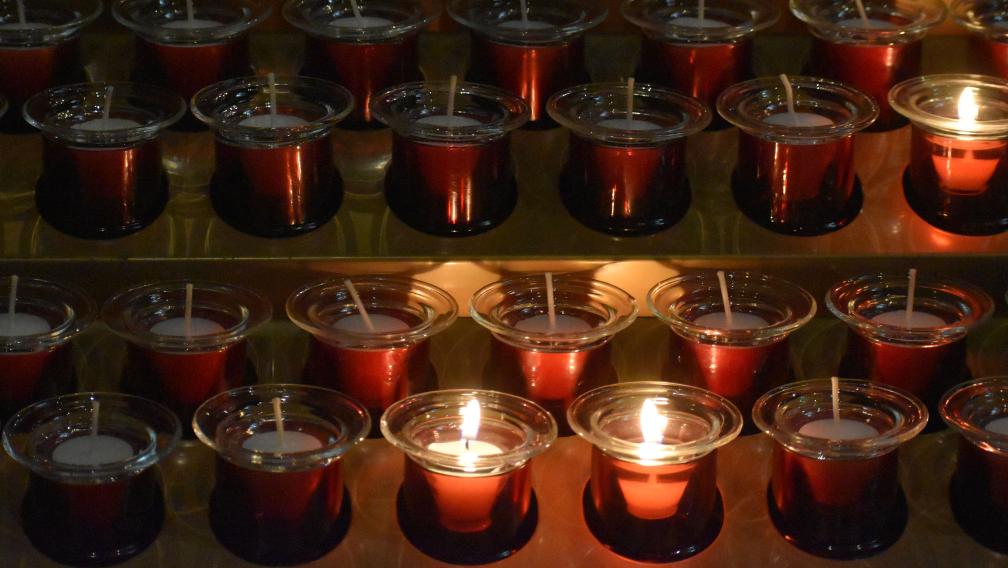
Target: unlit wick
(360, 305)
(187, 314)
(95, 406)
(524, 14)
(911, 287)
(190, 13)
(550, 301)
(725, 299)
(22, 19)
(629, 99)
(278, 416)
(452, 86)
(107, 110)
(12, 303)
(835, 395)
(861, 12)
(271, 85)
(788, 93)
(700, 12)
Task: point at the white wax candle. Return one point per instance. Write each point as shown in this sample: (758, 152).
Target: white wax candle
(843, 429)
(22, 324)
(176, 327)
(740, 320)
(691, 22)
(294, 442)
(918, 319)
(624, 124)
(102, 124)
(998, 426)
(448, 121)
(476, 448)
(540, 323)
(273, 121)
(527, 25)
(93, 450)
(381, 322)
(802, 119)
(361, 22)
(194, 24)
(869, 24)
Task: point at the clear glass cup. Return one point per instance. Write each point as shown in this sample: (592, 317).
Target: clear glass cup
(989, 37)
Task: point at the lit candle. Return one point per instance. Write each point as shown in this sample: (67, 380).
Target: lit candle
(960, 168)
(645, 497)
(467, 447)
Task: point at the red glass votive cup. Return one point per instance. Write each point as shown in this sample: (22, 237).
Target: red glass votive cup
(957, 179)
(871, 57)
(989, 41)
(42, 52)
(626, 177)
(925, 359)
(797, 180)
(366, 56)
(978, 411)
(280, 500)
(380, 366)
(275, 174)
(532, 59)
(178, 371)
(551, 366)
(745, 360)
(450, 177)
(698, 57)
(653, 494)
(467, 495)
(838, 498)
(94, 497)
(102, 177)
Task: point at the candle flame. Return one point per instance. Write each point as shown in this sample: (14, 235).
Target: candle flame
(652, 425)
(470, 420)
(968, 109)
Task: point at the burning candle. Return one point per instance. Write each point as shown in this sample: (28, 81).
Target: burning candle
(279, 496)
(92, 497)
(625, 172)
(732, 338)
(450, 176)
(834, 486)
(275, 172)
(467, 495)
(551, 336)
(795, 172)
(653, 495)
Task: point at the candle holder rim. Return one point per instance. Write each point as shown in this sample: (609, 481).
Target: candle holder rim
(53, 34)
(636, 12)
(965, 14)
(951, 403)
(907, 97)
(294, 14)
(252, 13)
(82, 307)
(594, 13)
(922, 15)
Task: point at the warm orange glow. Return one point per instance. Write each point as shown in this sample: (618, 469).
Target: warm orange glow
(652, 424)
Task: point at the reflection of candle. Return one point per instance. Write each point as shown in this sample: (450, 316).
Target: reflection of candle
(95, 449)
(842, 429)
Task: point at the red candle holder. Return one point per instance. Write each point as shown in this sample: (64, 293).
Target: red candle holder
(989, 41)
(365, 55)
(531, 58)
(839, 497)
(978, 411)
(275, 172)
(380, 366)
(36, 359)
(699, 55)
(450, 177)
(280, 502)
(957, 179)
(467, 495)
(742, 361)
(871, 56)
(925, 359)
(178, 371)
(551, 366)
(41, 52)
(102, 176)
(653, 494)
(93, 497)
(797, 180)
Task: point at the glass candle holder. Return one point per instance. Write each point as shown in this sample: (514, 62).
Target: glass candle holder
(275, 171)
(978, 411)
(532, 56)
(466, 496)
(551, 365)
(367, 54)
(740, 359)
(93, 497)
(40, 52)
(871, 54)
(957, 179)
(834, 488)
(653, 494)
(36, 360)
(180, 371)
(102, 176)
(379, 366)
(450, 176)
(626, 175)
(795, 176)
(989, 41)
(279, 496)
(924, 355)
(694, 53)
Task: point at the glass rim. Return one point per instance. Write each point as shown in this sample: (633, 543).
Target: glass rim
(951, 404)
(294, 11)
(922, 15)
(754, 15)
(53, 34)
(78, 302)
(592, 13)
(909, 97)
(253, 13)
(965, 14)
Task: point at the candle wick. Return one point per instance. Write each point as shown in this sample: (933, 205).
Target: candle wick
(355, 9)
(911, 287)
(12, 303)
(701, 8)
(271, 85)
(187, 317)
(360, 305)
(452, 86)
(524, 13)
(550, 301)
(862, 12)
(278, 417)
(190, 12)
(835, 395)
(629, 99)
(789, 93)
(466, 440)
(22, 18)
(95, 407)
(107, 110)
(725, 299)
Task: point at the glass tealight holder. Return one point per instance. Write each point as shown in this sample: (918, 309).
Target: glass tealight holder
(653, 493)
(375, 366)
(163, 363)
(957, 179)
(94, 497)
(279, 495)
(698, 55)
(275, 172)
(102, 175)
(626, 175)
(834, 487)
(551, 365)
(741, 360)
(989, 41)
(793, 178)
(450, 176)
(531, 57)
(871, 54)
(978, 411)
(466, 496)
